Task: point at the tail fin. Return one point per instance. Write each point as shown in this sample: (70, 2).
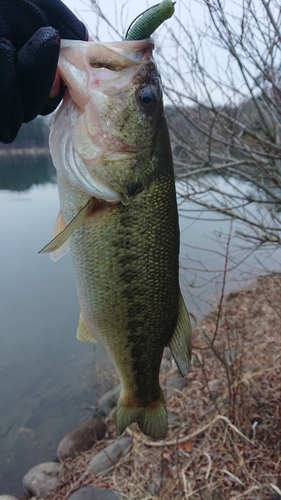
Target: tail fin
(152, 420)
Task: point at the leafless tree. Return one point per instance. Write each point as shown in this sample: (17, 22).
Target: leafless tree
(221, 72)
(226, 107)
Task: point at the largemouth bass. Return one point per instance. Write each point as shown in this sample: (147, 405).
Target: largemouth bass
(110, 145)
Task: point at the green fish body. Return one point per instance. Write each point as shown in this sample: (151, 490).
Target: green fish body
(125, 247)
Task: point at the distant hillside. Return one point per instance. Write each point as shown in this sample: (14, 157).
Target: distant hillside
(27, 160)
(32, 134)
(203, 137)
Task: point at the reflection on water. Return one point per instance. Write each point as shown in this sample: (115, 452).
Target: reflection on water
(27, 161)
(48, 378)
(21, 172)
(205, 236)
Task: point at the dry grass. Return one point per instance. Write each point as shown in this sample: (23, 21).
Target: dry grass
(224, 440)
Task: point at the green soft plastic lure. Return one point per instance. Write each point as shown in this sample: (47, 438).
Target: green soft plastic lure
(148, 22)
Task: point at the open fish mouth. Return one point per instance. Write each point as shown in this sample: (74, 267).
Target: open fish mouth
(103, 112)
(99, 55)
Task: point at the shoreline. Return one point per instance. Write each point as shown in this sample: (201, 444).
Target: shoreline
(24, 151)
(219, 405)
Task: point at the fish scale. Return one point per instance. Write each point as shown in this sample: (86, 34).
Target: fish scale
(125, 250)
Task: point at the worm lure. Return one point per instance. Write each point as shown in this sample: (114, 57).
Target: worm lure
(148, 22)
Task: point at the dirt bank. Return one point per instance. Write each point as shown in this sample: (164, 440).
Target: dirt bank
(224, 439)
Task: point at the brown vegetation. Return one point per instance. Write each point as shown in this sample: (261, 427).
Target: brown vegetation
(224, 439)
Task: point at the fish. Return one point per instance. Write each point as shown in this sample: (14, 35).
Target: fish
(110, 145)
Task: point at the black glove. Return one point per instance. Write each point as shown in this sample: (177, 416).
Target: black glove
(30, 32)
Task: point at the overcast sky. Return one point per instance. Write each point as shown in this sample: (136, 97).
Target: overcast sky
(83, 10)
(113, 10)
(122, 12)
(193, 14)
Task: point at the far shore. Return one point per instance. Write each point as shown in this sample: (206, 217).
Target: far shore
(24, 151)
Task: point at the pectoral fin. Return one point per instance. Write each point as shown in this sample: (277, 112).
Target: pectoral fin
(59, 227)
(180, 343)
(83, 333)
(63, 236)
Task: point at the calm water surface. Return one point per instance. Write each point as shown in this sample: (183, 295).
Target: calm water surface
(47, 377)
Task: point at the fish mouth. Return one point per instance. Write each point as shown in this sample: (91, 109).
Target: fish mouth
(100, 146)
(127, 148)
(99, 55)
(88, 66)
(122, 148)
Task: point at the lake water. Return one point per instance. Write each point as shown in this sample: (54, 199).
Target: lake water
(47, 377)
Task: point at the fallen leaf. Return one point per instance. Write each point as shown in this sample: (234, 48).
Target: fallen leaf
(187, 446)
(166, 456)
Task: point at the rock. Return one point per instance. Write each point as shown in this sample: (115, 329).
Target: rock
(167, 354)
(213, 387)
(175, 382)
(173, 420)
(7, 497)
(109, 400)
(230, 355)
(214, 384)
(97, 413)
(91, 493)
(231, 296)
(81, 439)
(165, 365)
(109, 456)
(153, 487)
(42, 478)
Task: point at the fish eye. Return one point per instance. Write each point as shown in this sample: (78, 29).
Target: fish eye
(147, 98)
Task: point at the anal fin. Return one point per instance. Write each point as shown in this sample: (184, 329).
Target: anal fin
(83, 333)
(181, 341)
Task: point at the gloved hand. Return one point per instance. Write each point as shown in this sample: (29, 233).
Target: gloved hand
(30, 32)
